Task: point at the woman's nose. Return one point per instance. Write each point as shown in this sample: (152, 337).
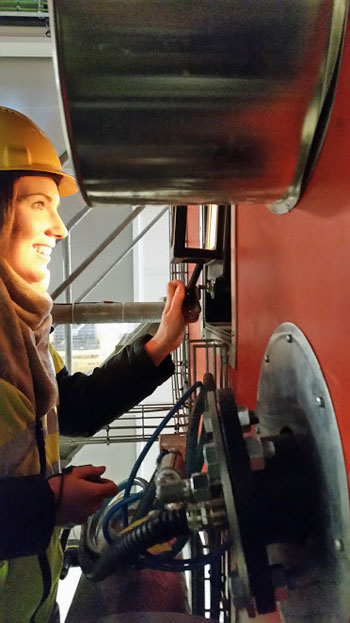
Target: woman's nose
(57, 227)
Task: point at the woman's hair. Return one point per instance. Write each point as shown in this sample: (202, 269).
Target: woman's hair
(7, 182)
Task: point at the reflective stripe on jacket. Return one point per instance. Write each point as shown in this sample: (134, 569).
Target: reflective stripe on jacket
(28, 583)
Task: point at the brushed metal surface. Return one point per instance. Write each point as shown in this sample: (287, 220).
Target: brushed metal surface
(169, 101)
(293, 395)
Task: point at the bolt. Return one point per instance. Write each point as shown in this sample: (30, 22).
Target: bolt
(267, 358)
(212, 460)
(196, 517)
(319, 401)
(211, 453)
(256, 453)
(200, 487)
(339, 545)
(217, 513)
(176, 491)
(268, 448)
(289, 338)
(244, 419)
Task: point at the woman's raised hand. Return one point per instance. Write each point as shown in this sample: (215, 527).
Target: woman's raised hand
(171, 330)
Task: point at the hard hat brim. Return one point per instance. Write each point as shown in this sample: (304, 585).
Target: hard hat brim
(67, 185)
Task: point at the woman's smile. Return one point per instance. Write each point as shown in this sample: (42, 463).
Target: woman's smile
(44, 251)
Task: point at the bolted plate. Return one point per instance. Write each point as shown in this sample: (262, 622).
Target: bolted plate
(293, 397)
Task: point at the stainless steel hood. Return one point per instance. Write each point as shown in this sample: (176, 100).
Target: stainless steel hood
(195, 101)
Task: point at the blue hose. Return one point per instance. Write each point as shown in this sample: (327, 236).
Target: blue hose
(115, 511)
(150, 442)
(185, 564)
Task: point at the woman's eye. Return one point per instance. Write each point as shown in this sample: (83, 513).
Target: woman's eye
(39, 205)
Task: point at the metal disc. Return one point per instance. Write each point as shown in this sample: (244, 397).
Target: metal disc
(240, 585)
(293, 396)
(243, 491)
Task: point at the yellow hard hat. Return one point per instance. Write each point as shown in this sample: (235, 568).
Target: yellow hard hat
(24, 147)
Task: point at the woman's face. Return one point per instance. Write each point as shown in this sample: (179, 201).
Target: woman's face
(35, 228)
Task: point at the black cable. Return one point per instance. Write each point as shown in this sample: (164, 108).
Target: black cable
(64, 538)
(127, 548)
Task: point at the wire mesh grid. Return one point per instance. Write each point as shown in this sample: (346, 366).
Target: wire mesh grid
(139, 423)
(191, 360)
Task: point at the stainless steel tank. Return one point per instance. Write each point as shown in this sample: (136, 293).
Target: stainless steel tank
(188, 101)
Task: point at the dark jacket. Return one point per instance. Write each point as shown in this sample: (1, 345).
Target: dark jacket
(86, 403)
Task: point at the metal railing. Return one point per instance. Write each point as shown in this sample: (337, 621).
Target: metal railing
(139, 423)
(26, 7)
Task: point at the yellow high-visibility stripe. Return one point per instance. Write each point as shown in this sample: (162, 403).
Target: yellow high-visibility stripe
(19, 456)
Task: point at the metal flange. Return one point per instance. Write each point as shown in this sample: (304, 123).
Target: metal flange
(293, 398)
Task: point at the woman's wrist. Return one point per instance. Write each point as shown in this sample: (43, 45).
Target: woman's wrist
(156, 351)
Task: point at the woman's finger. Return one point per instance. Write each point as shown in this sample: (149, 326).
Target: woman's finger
(178, 298)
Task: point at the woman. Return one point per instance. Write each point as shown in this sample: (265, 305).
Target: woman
(35, 499)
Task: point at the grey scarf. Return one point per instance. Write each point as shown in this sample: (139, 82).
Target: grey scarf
(25, 322)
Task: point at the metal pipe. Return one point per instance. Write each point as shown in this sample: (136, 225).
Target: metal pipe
(67, 267)
(79, 216)
(83, 441)
(64, 157)
(97, 251)
(122, 256)
(91, 313)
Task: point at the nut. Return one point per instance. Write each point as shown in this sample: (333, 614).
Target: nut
(203, 514)
(177, 491)
(216, 510)
(212, 460)
(256, 453)
(197, 517)
(200, 487)
(244, 419)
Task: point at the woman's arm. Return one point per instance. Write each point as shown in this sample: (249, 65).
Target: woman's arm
(87, 403)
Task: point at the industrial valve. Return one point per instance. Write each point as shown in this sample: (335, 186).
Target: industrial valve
(275, 482)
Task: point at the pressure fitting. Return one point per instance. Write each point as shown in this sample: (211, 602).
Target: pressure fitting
(204, 514)
(194, 489)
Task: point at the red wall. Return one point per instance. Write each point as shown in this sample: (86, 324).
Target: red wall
(296, 268)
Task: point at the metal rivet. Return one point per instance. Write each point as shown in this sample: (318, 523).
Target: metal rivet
(267, 358)
(319, 401)
(338, 545)
(289, 338)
